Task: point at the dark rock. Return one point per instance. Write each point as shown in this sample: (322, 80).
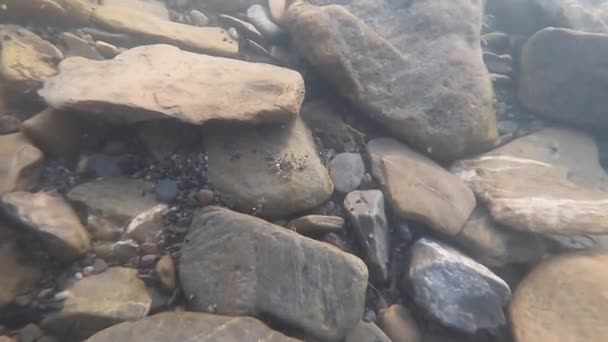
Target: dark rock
(346, 171)
(100, 265)
(148, 260)
(30, 333)
(365, 210)
(501, 80)
(326, 124)
(205, 197)
(455, 289)
(317, 224)
(100, 166)
(20, 163)
(166, 190)
(234, 264)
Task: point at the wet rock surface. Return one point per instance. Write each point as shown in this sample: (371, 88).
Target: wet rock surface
(20, 163)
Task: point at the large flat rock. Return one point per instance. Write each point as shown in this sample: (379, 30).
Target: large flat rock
(563, 299)
(162, 81)
(191, 326)
(422, 50)
(272, 170)
(547, 182)
(562, 75)
(234, 264)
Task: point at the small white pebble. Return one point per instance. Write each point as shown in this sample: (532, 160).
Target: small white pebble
(78, 275)
(63, 295)
(371, 236)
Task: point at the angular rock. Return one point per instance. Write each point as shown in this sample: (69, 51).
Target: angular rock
(317, 224)
(272, 170)
(210, 40)
(494, 245)
(328, 126)
(20, 163)
(399, 324)
(367, 332)
(106, 49)
(245, 28)
(563, 299)
(78, 47)
(117, 199)
(365, 210)
(548, 182)
(147, 225)
(8, 123)
(26, 60)
(455, 289)
(52, 219)
(419, 189)
(260, 17)
(235, 264)
(191, 326)
(224, 89)
(498, 64)
(346, 171)
(560, 76)
(100, 301)
(422, 51)
(56, 12)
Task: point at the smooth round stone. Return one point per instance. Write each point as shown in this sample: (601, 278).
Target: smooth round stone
(166, 190)
(346, 171)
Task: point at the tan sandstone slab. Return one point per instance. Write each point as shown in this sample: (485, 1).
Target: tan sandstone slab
(157, 81)
(547, 182)
(564, 299)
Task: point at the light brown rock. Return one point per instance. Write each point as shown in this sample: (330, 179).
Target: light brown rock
(547, 182)
(147, 225)
(224, 89)
(156, 8)
(277, 10)
(315, 224)
(399, 324)
(211, 40)
(52, 219)
(99, 301)
(20, 163)
(56, 12)
(366, 332)
(419, 189)
(563, 299)
(165, 269)
(78, 47)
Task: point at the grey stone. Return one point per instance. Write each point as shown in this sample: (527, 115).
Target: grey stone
(166, 190)
(399, 324)
(234, 264)
(78, 47)
(9, 124)
(317, 224)
(366, 332)
(498, 64)
(496, 42)
(198, 18)
(346, 171)
(260, 17)
(100, 166)
(20, 163)
(455, 289)
(365, 210)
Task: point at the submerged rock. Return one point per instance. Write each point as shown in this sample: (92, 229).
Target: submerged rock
(317, 224)
(399, 324)
(20, 163)
(367, 332)
(234, 264)
(346, 171)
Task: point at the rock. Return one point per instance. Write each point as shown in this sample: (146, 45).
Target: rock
(245, 28)
(166, 190)
(366, 332)
(346, 171)
(326, 123)
(273, 94)
(26, 60)
(52, 219)
(563, 299)
(20, 163)
(148, 260)
(234, 264)
(365, 210)
(573, 14)
(260, 17)
(443, 202)
(399, 324)
(559, 77)
(548, 182)
(147, 225)
(225, 6)
(496, 42)
(9, 124)
(78, 47)
(57, 133)
(123, 251)
(494, 245)
(99, 166)
(17, 275)
(161, 138)
(456, 290)
(98, 302)
(106, 49)
(582, 242)
(190, 326)
(99, 266)
(30, 333)
(273, 170)
(317, 224)
(210, 40)
(55, 12)
(198, 18)
(498, 64)
(155, 8)
(205, 197)
(277, 10)
(500, 80)
(165, 269)
(445, 102)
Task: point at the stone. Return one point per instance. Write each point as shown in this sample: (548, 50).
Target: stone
(26, 60)
(147, 225)
(498, 64)
(17, 274)
(501, 81)
(494, 245)
(209, 40)
(55, 12)
(346, 171)
(445, 97)
(234, 264)
(198, 18)
(559, 77)
(155, 8)
(20, 163)
(224, 6)
(456, 290)
(99, 166)
(317, 224)
(123, 251)
(548, 182)
(272, 170)
(161, 138)
(98, 302)
(327, 125)
(166, 190)
(563, 299)
(399, 325)
(57, 133)
(442, 201)
(9, 124)
(191, 326)
(52, 219)
(274, 94)
(107, 50)
(30, 333)
(78, 47)
(496, 42)
(245, 28)
(119, 200)
(277, 9)
(367, 332)
(165, 269)
(365, 210)
(572, 14)
(260, 17)
(148, 260)
(205, 197)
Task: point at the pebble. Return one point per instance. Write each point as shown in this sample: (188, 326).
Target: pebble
(165, 269)
(30, 333)
(166, 190)
(78, 275)
(100, 265)
(346, 171)
(89, 270)
(260, 17)
(9, 124)
(205, 197)
(147, 260)
(507, 127)
(399, 324)
(46, 293)
(106, 49)
(126, 250)
(149, 247)
(198, 18)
